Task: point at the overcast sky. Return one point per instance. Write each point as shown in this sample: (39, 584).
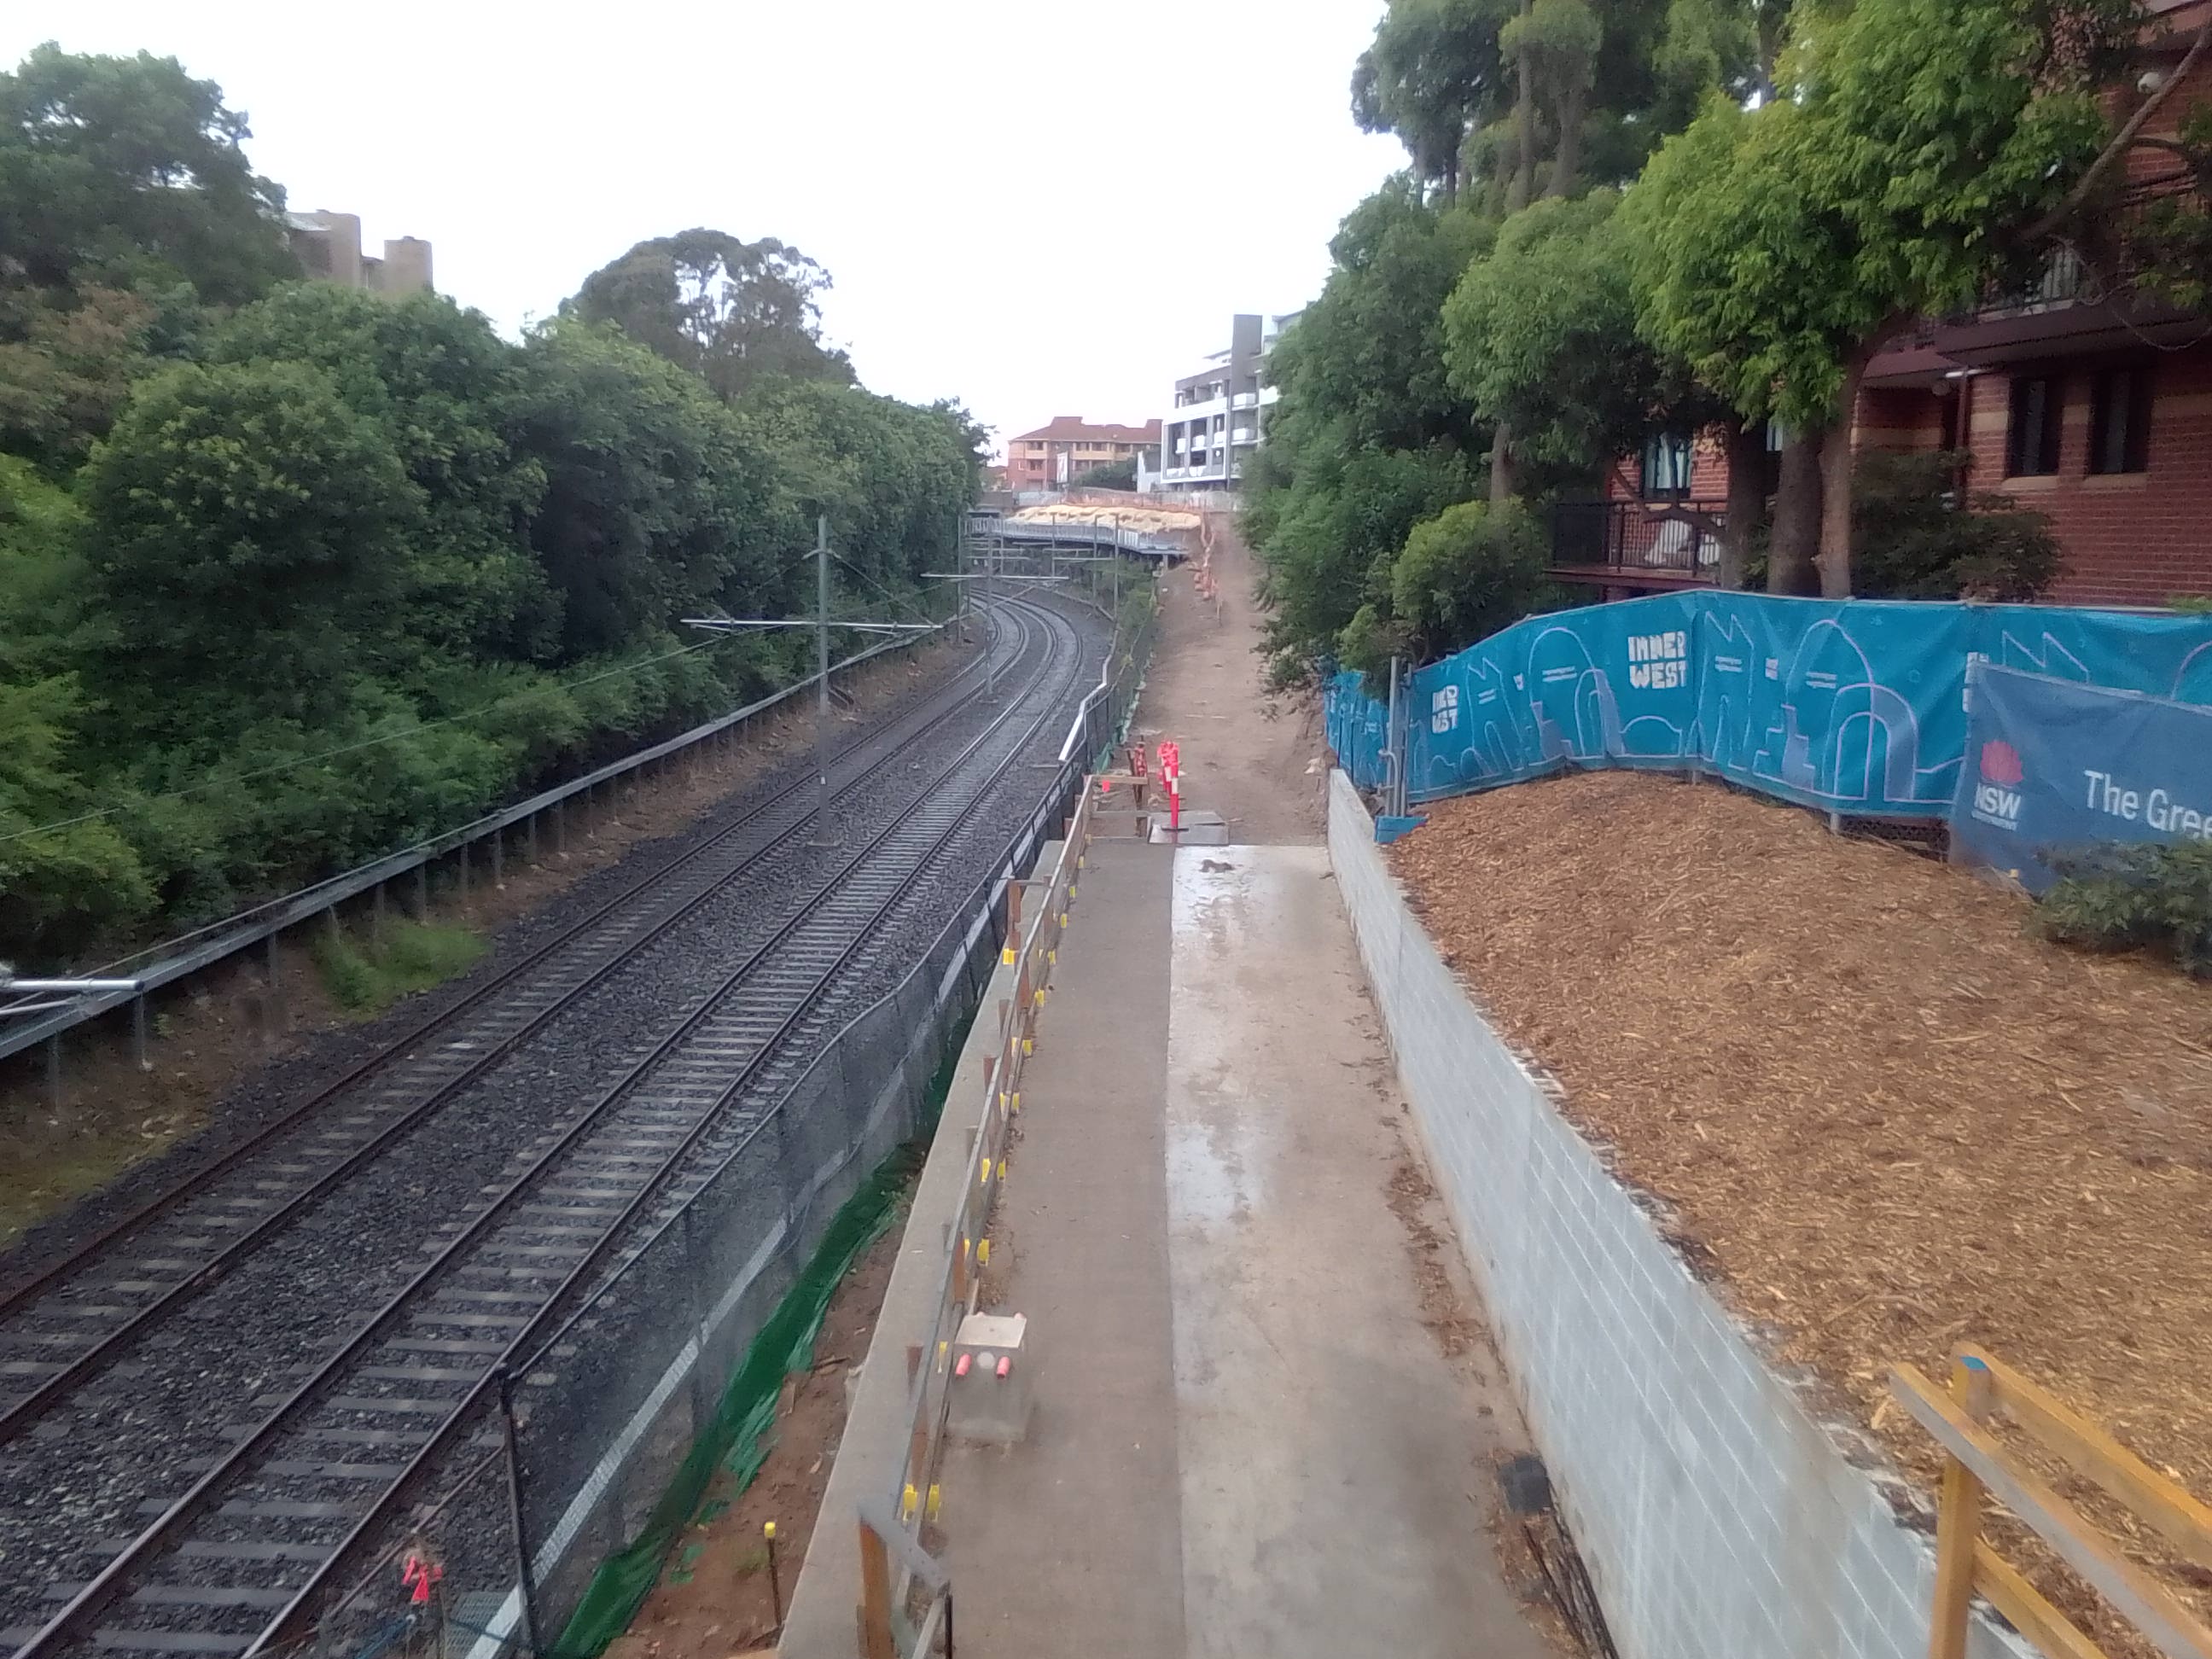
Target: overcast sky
(1037, 209)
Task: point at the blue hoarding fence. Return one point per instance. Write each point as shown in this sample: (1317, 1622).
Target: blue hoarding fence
(2055, 766)
(1857, 706)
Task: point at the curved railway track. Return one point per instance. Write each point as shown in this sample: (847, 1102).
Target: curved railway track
(267, 1506)
(64, 1323)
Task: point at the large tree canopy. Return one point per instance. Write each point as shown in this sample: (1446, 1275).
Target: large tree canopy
(735, 312)
(127, 172)
(247, 548)
(1776, 249)
(449, 392)
(1541, 334)
(291, 574)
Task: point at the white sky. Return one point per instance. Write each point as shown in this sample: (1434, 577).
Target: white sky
(1037, 209)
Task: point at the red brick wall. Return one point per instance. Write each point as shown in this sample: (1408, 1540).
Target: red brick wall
(2130, 538)
(1709, 470)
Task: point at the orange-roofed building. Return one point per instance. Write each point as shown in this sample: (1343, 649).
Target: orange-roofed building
(1056, 455)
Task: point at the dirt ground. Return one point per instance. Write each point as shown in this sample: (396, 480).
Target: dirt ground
(715, 1600)
(1888, 1120)
(223, 1026)
(1255, 756)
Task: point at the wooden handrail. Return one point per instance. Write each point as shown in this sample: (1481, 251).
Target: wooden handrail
(1977, 1467)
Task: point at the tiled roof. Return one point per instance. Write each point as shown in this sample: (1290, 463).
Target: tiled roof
(1073, 428)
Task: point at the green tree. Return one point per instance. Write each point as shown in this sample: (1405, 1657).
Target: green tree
(1918, 541)
(69, 370)
(62, 873)
(1114, 475)
(245, 550)
(127, 172)
(1919, 144)
(733, 312)
(1333, 539)
(1435, 72)
(657, 500)
(447, 393)
(1473, 569)
(1541, 334)
(893, 477)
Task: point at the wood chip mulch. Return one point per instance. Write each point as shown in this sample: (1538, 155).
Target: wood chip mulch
(1891, 1121)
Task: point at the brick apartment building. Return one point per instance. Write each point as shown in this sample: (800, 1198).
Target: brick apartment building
(2088, 403)
(1055, 455)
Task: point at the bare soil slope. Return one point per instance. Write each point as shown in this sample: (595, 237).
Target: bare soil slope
(1890, 1120)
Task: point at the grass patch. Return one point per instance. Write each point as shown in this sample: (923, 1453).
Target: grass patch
(366, 977)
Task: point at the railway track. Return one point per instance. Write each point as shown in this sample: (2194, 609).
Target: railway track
(264, 1514)
(64, 1324)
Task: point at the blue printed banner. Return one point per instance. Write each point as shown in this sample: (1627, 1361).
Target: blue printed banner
(1858, 706)
(2057, 767)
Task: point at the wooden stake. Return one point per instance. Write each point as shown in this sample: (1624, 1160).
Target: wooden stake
(876, 1641)
(1958, 1530)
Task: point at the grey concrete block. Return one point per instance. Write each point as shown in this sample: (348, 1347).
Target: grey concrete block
(1716, 1514)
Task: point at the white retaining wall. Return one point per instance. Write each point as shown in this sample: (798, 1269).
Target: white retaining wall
(1716, 1516)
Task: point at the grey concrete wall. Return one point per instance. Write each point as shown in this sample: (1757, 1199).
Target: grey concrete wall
(1717, 1515)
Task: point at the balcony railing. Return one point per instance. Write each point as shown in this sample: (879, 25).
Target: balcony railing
(1674, 540)
(2108, 257)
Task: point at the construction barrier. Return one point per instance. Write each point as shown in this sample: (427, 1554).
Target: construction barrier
(2054, 768)
(1857, 706)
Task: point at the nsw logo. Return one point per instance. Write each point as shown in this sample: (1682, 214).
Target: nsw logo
(1997, 797)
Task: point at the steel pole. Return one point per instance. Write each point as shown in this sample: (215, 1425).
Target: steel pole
(822, 673)
(990, 657)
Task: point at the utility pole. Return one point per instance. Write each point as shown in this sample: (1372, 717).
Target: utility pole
(990, 657)
(822, 836)
(820, 623)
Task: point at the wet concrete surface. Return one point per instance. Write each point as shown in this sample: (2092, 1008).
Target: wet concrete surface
(1247, 1441)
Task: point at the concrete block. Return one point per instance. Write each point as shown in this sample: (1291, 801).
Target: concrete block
(988, 1397)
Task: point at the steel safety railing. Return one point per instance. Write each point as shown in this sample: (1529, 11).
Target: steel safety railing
(24, 1026)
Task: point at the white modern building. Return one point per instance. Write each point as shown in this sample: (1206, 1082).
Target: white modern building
(1218, 413)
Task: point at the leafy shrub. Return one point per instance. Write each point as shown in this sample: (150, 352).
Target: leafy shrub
(1466, 573)
(2154, 897)
(1912, 541)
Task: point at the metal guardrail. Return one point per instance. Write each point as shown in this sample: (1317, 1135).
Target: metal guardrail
(171, 960)
(1678, 537)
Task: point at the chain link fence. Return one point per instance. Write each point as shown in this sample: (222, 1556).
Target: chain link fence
(541, 1518)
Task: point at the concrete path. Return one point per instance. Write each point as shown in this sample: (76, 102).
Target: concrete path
(1257, 1432)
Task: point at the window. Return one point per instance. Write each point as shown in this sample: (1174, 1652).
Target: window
(1666, 465)
(2031, 436)
(2119, 420)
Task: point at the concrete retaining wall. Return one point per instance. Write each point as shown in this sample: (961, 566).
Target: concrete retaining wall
(1715, 1513)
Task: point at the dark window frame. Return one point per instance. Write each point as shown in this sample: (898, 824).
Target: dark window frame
(2035, 423)
(1682, 462)
(2121, 392)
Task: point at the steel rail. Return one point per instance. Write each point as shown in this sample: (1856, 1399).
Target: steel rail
(521, 1354)
(17, 1296)
(72, 1620)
